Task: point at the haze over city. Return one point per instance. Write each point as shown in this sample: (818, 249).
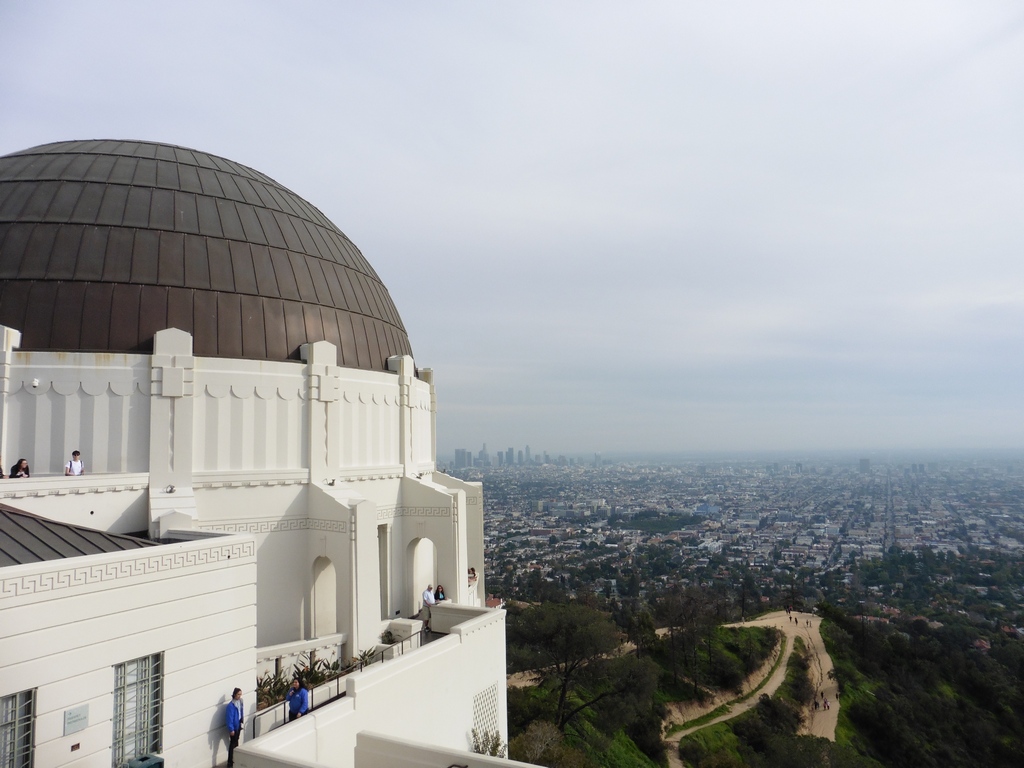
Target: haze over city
(660, 227)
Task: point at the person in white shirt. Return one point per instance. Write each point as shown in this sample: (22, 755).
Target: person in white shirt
(76, 466)
(428, 600)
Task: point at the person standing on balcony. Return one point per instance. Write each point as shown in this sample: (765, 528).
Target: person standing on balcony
(235, 722)
(428, 600)
(76, 466)
(439, 593)
(298, 700)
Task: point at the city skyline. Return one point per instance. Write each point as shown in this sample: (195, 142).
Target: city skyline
(795, 460)
(671, 227)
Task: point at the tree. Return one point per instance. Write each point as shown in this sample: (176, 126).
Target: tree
(641, 631)
(688, 615)
(571, 647)
(543, 744)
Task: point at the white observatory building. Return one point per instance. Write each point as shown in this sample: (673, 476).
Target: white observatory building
(259, 485)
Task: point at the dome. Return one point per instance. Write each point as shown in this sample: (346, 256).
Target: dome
(104, 243)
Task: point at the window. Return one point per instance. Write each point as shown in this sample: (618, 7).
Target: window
(137, 701)
(16, 715)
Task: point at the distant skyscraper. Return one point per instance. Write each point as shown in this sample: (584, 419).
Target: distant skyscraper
(510, 455)
(520, 457)
(527, 454)
(597, 459)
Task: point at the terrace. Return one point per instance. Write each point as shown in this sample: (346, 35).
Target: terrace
(423, 696)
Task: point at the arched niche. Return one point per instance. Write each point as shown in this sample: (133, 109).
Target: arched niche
(325, 598)
(421, 569)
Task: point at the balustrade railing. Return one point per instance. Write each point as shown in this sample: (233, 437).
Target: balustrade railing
(276, 715)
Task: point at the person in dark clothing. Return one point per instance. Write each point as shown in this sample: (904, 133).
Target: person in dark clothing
(20, 469)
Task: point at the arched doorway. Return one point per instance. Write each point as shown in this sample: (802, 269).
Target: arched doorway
(421, 569)
(325, 598)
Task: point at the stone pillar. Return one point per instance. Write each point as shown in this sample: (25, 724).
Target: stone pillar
(10, 340)
(404, 366)
(172, 502)
(324, 386)
(427, 375)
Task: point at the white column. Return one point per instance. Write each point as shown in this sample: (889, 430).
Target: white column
(10, 340)
(427, 375)
(172, 502)
(324, 387)
(404, 366)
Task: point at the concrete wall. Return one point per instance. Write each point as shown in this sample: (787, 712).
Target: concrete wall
(374, 750)
(57, 403)
(240, 415)
(64, 625)
(110, 502)
(249, 414)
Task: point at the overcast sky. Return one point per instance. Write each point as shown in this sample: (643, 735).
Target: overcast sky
(617, 226)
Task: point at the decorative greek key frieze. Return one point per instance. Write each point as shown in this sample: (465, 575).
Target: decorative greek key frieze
(393, 512)
(277, 526)
(160, 560)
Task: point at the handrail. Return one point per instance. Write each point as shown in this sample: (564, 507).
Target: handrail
(279, 719)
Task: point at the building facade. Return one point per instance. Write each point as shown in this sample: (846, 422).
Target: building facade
(242, 391)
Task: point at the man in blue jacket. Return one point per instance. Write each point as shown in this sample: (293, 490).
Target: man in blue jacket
(298, 700)
(235, 722)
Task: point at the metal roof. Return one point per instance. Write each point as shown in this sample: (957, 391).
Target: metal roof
(104, 243)
(28, 538)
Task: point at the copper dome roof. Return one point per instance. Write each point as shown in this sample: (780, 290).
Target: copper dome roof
(104, 243)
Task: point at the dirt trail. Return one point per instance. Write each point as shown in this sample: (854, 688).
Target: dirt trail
(818, 723)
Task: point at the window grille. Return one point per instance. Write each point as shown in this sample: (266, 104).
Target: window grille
(17, 713)
(485, 711)
(138, 694)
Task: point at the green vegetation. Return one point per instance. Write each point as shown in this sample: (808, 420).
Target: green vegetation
(310, 671)
(765, 737)
(656, 522)
(930, 671)
(599, 704)
(727, 707)
(797, 687)
(587, 688)
(921, 695)
(714, 714)
(775, 666)
(699, 648)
